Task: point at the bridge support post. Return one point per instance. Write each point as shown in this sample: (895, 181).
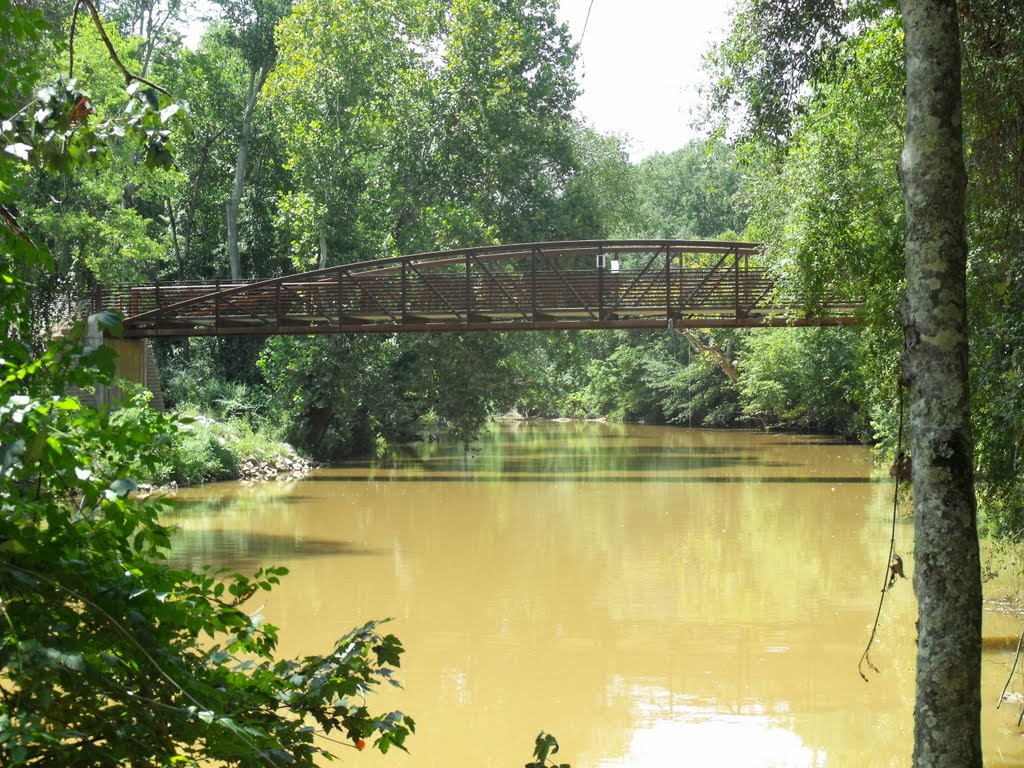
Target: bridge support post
(136, 362)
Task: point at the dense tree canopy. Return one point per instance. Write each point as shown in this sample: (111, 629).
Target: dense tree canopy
(827, 200)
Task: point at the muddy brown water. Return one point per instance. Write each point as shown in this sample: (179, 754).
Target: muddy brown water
(652, 596)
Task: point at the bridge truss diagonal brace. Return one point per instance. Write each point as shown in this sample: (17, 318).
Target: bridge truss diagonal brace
(514, 303)
(707, 279)
(367, 293)
(565, 281)
(444, 300)
(636, 279)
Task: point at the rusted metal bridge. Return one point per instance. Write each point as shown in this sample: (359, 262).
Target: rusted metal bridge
(533, 286)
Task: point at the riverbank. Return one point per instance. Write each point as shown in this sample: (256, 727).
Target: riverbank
(1002, 571)
(281, 468)
(205, 449)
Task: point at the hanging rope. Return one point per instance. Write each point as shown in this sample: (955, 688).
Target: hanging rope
(894, 567)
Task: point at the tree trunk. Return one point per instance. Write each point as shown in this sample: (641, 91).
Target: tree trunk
(256, 80)
(947, 575)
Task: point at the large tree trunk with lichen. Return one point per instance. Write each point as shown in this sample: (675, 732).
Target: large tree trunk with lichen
(947, 576)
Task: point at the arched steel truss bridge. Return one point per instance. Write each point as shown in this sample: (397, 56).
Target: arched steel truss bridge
(532, 286)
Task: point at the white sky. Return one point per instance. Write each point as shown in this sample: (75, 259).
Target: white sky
(640, 66)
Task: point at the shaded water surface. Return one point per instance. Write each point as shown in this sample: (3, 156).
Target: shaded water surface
(652, 596)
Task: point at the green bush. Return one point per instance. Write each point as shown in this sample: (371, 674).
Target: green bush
(697, 395)
(802, 378)
(200, 455)
(202, 449)
(620, 385)
(117, 657)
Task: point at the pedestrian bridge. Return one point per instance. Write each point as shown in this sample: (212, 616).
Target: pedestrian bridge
(532, 286)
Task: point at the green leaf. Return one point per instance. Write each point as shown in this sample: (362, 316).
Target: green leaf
(14, 452)
(73, 661)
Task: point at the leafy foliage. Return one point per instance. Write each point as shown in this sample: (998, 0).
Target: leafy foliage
(545, 745)
(801, 378)
(772, 52)
(324, 390)
(109, 656)
(691, 193)
(619, 384)
(603, 196)
(92, 226)
(112, 655)
(824, 194)
(993, 44)
(337, 396)
(696, 394)
(829, 205)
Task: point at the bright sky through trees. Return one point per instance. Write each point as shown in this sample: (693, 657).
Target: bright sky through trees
(640, 66)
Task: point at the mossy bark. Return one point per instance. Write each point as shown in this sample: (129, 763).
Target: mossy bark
(947, 576)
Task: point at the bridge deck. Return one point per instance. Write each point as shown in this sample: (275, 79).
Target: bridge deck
(541, 286)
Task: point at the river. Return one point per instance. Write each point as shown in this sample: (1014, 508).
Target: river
(652, 596)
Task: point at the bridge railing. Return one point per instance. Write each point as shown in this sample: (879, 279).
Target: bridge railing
(551, 285)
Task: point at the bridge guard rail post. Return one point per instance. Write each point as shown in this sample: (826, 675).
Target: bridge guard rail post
(405, 312)
(748, 298)
(736, 283)
(668, 284)
(534, 255)
(469, 289)
(600, 284)
(277, 305)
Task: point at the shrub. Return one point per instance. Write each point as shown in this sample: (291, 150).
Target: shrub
(111, 657)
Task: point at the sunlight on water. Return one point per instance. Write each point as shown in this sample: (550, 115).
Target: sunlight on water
(670, 724)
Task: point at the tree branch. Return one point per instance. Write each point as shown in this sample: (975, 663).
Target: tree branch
(129, 77)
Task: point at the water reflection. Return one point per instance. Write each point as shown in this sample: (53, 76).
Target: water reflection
(648, 595)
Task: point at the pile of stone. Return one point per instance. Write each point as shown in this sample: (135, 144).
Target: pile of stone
(279, 468)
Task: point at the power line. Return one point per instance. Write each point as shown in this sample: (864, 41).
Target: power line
(586, 21)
